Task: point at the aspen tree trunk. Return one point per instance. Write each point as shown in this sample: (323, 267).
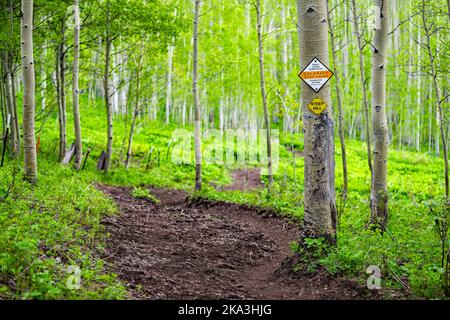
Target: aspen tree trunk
(75, 91)
(409, 97)
(319, 194)
(43, 76)
(379, 195)
(136, 106)
(3, 107)
(348, 44)
(363, 84)
(106, 87)
(14, 142)
(29, 139)
(169, 83)
(263, 90)
(114, 81)
(339, 101)
(430, 125)
(14, 114)
(62, 94)
(438, 102)
(198, 114)
(419, 91)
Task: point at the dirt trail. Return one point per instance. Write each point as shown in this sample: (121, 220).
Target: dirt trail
(246, 179)
(180, 250)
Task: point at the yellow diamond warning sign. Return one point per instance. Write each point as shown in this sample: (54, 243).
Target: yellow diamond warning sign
(316, 74)
(317, 106)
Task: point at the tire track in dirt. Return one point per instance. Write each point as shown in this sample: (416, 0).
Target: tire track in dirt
(209, 250)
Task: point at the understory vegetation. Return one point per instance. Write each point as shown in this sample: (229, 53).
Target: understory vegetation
(57, 223)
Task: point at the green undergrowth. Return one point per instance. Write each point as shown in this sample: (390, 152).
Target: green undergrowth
(46, 229)
(51, 236)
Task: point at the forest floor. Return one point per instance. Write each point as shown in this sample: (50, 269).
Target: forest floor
(245, 179)
(182, 248)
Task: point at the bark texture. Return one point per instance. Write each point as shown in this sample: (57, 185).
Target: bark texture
(319, 194)
(11, 107)
(62, 92)
(136, 106)
(106, 87)
(198, 115)
(29, 139)
(75, 91)
(379, 196)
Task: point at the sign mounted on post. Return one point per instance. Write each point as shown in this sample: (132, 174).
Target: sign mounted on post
(316, 74)
(317, 106)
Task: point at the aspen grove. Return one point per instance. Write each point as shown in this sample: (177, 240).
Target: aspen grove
(224, 146)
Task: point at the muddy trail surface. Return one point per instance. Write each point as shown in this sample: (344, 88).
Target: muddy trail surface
(178, 249)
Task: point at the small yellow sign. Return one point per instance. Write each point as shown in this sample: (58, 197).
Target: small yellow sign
(317, 106)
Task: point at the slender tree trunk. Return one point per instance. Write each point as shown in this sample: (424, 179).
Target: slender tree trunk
(28, 91)
(169, 83)
(419, 93)
(62, 93)
(430, 124)
(263, 91)
(43, 77)
(339, 102)
(363, 84)
(319, 194)
(198, 119)
(106, 87)
(379, 193)
(14, 142)
(3, 108)
(437, 95)
(14, 114)
(136, 106)
(75, 91)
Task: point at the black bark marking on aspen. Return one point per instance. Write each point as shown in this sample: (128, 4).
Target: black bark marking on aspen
(324, 20)
(375, 51)
(310, 10)
(377, 108)
(382, 67)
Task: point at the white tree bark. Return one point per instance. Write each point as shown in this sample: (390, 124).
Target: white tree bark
(14, 141)
(137, 107)
(62, 93)
(379, 196)
(198, 114)
(169, 82)
(29, 138)
(75, 91)
(319, 194)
